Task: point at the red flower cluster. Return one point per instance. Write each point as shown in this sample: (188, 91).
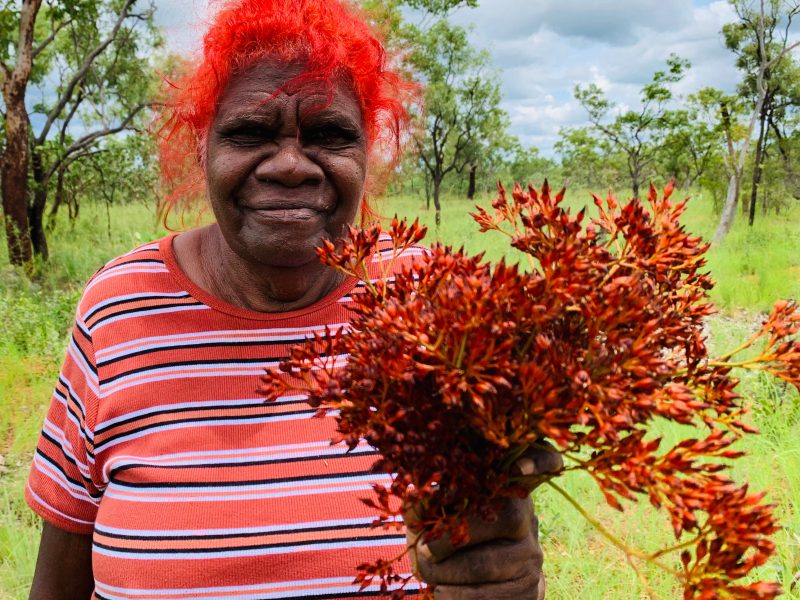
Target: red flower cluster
(457, 366)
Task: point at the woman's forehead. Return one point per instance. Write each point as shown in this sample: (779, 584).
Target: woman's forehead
(267, 85)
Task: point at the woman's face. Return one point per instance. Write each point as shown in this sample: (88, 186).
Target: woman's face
(284, 171)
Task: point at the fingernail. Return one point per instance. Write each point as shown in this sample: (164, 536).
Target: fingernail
(526, 466)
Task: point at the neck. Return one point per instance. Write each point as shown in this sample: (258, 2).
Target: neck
(259, 287)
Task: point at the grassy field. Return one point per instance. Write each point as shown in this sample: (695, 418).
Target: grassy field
(752, 268)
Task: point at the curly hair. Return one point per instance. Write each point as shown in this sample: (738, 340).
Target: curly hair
(332, 40)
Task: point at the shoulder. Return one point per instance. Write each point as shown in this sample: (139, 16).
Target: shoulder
(140, 272)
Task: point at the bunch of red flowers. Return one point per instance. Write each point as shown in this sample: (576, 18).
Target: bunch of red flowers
(456, 366)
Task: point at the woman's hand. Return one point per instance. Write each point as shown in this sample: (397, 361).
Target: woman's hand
(502, 560)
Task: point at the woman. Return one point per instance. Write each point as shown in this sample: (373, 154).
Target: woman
(159, 472)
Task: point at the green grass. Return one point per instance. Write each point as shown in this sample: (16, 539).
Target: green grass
(752, 268)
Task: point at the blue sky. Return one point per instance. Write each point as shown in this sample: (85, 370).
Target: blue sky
(544, 47)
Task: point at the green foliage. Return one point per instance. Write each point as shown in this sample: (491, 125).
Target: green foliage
(34, 321)
(693, 139)
(124, 171)
(589, 161)
(761, 38)
(773, 27)
(637, 134)
(462, 134)
(525, 165)
(439, 7)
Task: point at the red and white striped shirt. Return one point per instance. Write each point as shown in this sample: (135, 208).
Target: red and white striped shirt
(192, 486)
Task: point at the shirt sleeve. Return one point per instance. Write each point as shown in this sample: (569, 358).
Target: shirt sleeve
(63, 487)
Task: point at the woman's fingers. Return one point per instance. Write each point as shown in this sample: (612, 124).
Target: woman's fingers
(538, 460)
(514, 522)
(525, 588)
(503, 559)
(498, 561)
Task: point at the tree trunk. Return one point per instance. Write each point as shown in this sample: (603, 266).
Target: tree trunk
(636, 172)
(757, 168)
(427, 191)
(58, 200)
(437, 183)
(471, 187)
(729, 209)
(14, 178)
(15, 158)
(36, 212)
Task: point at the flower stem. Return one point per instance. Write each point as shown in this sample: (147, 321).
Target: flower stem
(675, 548)
(642, 579)
(743, 346)
(629, 552)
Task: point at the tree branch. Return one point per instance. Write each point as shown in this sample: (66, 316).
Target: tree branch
(80, 74)
(49, 39)
(68, 118)
(90, 138)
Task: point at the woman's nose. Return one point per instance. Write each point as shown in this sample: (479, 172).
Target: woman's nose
(289, 166)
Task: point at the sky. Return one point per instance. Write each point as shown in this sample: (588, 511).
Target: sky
(543, 48)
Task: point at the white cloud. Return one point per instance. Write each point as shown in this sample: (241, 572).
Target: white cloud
(615, 22)
(617, 46)
(599, 79)
(183, 22)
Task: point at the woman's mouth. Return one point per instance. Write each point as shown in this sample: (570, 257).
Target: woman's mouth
(287, 213)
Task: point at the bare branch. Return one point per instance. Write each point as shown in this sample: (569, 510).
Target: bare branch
(80, 74)
(86, 141)
(68, 118)
(783, 53)
(49, 39)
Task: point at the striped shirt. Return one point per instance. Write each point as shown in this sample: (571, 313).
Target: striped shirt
(191, 485)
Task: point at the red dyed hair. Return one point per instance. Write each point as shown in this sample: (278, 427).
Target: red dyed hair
(329, 37)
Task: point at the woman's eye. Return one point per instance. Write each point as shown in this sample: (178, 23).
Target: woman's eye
(330, 136)
(248, 136)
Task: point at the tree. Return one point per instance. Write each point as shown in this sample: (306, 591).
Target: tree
(787, 139)
(490, 147)
(588, 160)
(692, 141)
(636, 133)
(761, 40)
(527, 165)
(439, 7)
(125, 170)
(462, 102)
(84, 61)
(704, 141)
(737, 142)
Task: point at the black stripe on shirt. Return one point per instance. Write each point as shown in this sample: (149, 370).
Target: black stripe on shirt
(249, 463)
(141, 298)
(243, 418)
(225, 536)
(243, 483)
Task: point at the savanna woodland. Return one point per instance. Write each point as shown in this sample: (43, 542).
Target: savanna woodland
(653, 342)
